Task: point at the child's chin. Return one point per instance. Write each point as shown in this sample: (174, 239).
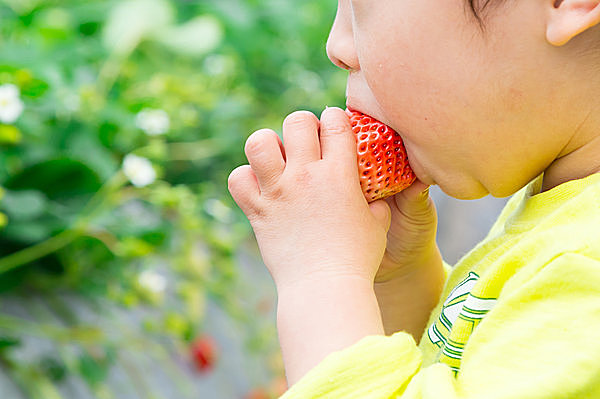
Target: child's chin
(464, 192)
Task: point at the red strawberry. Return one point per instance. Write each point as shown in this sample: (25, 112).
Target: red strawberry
(204, 352)
(382, 162)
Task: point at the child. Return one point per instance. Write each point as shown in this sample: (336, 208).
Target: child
(491, 97)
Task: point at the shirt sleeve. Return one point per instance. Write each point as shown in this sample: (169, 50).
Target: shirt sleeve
(447, 269)
(374, 367)
(539, 342)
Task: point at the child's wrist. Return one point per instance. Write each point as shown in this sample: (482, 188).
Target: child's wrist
(407, 300)
(390, 272)
(322, 279)
(318, 317)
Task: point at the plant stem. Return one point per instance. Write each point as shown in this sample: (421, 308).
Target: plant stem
(64, 238)
(31, 383)
(37, 251)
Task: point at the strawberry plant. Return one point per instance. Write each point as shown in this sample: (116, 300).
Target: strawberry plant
(119, 243)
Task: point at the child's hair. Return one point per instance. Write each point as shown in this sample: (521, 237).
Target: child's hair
(478, 6)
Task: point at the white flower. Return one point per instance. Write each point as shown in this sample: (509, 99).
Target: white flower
(152, 281)
(11, 106)
(71, 102)
(196, 37)
(138, 170)
(218, 210)
(218, 64)
(153, 121)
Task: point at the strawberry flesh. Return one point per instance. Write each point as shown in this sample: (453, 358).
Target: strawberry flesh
(382, 162)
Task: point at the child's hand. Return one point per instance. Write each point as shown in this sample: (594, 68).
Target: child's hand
(412, 234)
(304, 201)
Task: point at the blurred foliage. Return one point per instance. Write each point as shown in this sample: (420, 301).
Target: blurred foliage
(178, 84)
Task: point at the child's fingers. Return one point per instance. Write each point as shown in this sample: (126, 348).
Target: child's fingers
(243, 186)
(382, 212)
(263, 150)
(301, 138)
(337, 140)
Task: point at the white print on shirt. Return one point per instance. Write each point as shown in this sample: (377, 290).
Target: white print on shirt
(470, 309)
(452, 307)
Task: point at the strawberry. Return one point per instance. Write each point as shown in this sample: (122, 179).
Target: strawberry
(278, 386)
(204, 352)
(258, 393)
(382, 162)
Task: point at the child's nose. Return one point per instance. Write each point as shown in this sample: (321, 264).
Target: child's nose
(340, 44)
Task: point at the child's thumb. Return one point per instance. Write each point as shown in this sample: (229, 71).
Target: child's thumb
(382, 212)
(414, 202)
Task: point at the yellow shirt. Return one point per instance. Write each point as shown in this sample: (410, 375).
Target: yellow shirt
(519, 316)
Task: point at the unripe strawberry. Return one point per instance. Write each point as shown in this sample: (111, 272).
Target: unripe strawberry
(258, 393)
(382, 162)
(278, 386)
(204, 352)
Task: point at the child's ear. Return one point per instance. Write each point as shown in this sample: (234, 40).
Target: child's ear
(568, 18)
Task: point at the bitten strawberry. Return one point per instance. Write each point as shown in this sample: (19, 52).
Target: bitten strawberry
(382, 162)
(204, 353)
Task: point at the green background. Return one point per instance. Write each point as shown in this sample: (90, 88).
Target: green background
(74, 319)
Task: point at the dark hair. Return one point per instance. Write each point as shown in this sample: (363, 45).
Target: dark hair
(479, 5)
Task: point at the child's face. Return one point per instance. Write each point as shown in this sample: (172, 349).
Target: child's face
(475, 110)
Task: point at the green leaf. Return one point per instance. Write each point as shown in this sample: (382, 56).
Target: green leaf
(132, 247)
(9, 135)
(93, 372)
(7, 341)
(53, 368)
(23, 6)
(87, 147)
(24, 205)
(59, 179)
